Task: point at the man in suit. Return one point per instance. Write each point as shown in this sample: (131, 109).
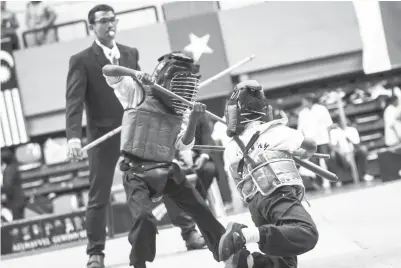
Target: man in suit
(87, 87)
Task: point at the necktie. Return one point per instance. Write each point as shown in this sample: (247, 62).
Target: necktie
(113, 59)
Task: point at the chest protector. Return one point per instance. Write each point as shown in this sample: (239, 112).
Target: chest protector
(273, 169)
(149, 131)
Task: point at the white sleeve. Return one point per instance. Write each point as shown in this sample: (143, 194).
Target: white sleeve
(127, 90)
(326, 116)
(353, 135)
(178, 142)
(284, 138)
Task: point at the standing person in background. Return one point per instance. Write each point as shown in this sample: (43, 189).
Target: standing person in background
(392, 122)
(9, 26)
(200, 163)
(39, 15)
(219, 135)
(314, 121)
(360, 151)
(11, 186)
(86, 86)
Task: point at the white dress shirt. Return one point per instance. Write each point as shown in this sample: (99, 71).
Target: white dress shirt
(111, 54)
(392, 125)
(130, 93)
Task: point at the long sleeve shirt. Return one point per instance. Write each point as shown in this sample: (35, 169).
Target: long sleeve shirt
(130, 93)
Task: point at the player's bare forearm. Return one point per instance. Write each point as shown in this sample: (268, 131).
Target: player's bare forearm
(197, 110)
(189, 134)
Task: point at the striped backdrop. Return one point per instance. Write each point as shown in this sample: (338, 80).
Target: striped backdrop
(12, 121)
(379, 23)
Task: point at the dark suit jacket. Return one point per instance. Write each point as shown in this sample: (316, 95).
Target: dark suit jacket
(86, 86)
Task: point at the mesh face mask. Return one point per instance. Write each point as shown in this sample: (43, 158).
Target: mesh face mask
(246, 104)
(184, 85)
(177, 73)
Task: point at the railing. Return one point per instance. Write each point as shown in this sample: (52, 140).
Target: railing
(53, 32)
(52, 29)
(140, 9)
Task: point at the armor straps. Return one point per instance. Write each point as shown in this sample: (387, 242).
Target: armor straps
(241, 163)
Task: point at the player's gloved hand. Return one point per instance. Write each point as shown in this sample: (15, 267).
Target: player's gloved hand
(301, 153)
(146, 79)
(198, 110)
(200, 162)
(74, 150)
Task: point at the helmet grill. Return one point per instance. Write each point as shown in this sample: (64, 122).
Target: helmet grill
(186, 86)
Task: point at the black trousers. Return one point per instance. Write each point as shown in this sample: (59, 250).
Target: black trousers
(179, 217)
(286, 229)
(321, 149)
(361, 160)
(102, 162)
(140, 187)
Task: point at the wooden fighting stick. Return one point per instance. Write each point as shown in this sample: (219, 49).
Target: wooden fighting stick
(114, 70)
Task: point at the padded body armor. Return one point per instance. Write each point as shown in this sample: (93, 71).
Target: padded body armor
(149, 131)
(273, 169)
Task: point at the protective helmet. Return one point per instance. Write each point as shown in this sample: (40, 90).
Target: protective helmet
(247, 103)
(177, 73)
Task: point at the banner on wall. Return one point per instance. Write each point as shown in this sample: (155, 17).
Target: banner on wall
(12, 121)
(57, 229)
(379, 34)
(201, 38)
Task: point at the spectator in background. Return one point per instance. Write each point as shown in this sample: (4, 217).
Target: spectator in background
(314, 121)
(360, 151)
(9, 26)
(41, 16)
(14, 196)
(392, 122)
(219, 134)
(276, 113)
(201, 163)
(220, 137)
(341, 142)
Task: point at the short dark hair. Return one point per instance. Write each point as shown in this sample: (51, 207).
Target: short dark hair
(91, 14)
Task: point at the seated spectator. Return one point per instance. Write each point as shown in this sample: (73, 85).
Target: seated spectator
(340, 149)
(360, 151)
(12, 188)
(41, 17)
(9, 26)
(392, 122)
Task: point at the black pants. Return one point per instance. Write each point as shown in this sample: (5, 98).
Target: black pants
(321, 149)
(361, 160)
(286, 228)
(140, 187)
(180, 218)
(102, 162)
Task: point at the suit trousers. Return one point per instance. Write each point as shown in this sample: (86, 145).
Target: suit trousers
(102, 162)
(286, 229)
(140, 187)
(178, 217)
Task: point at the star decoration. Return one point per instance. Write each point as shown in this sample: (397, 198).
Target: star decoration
(198, 46)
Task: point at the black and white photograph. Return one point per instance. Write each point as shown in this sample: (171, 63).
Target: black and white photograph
(193, 134)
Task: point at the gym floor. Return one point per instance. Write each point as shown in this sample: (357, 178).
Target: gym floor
(359, 227)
